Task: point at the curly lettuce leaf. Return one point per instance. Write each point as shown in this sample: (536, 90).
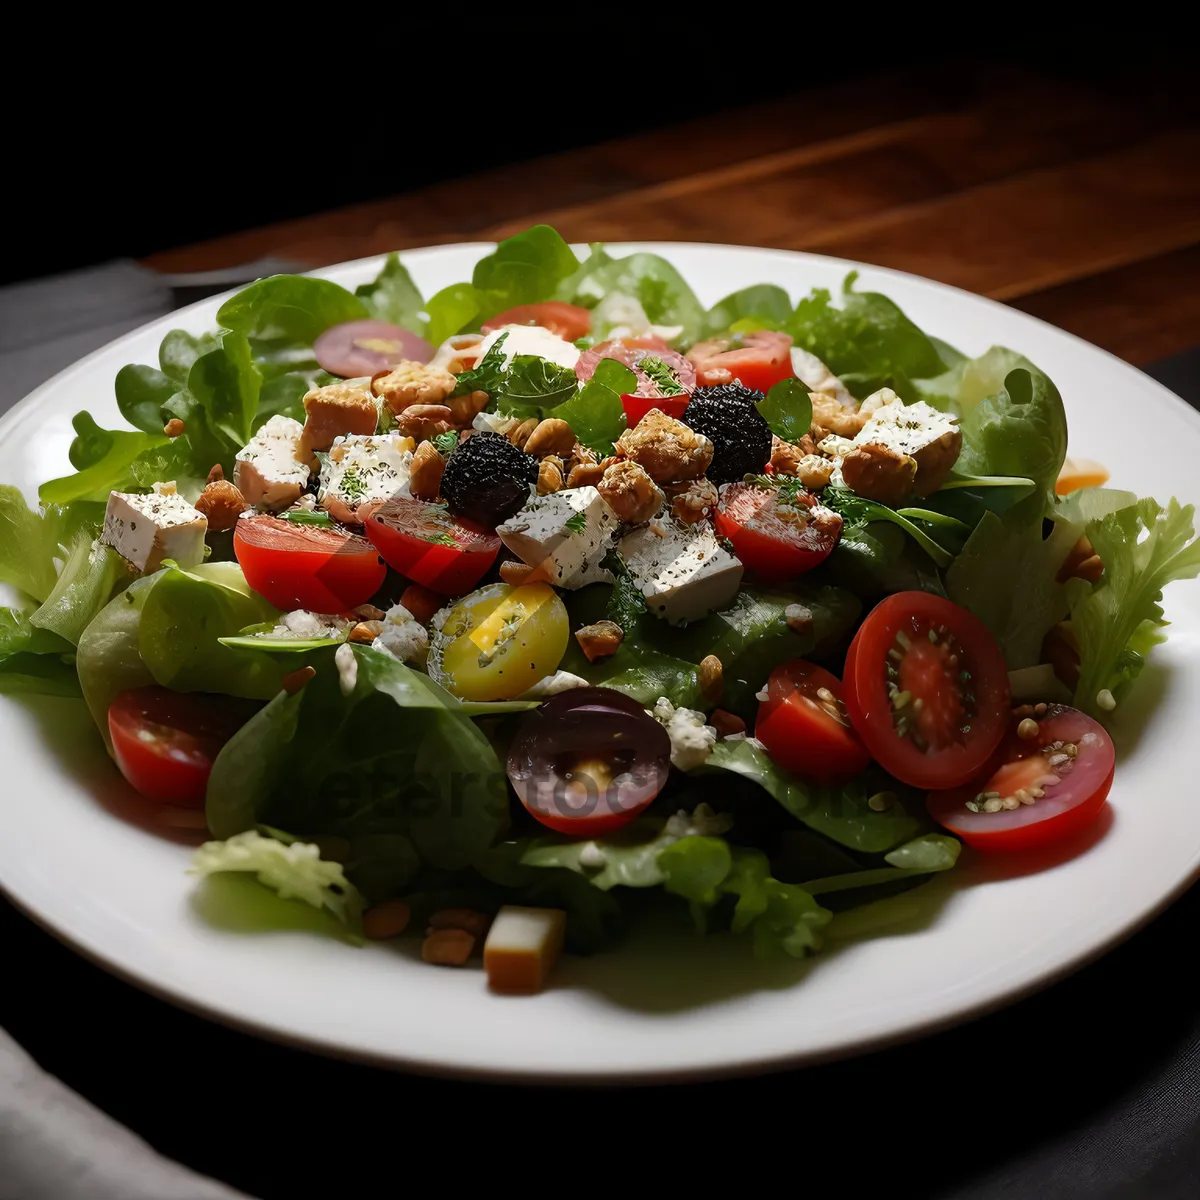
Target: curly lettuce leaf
(103, 461)
(34, 660)
(523, 269)
(29, 544)
(292, 869)
(1116, 620)
(85, 585)
(393, 297)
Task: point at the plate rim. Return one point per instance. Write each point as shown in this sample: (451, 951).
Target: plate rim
(740, 1063)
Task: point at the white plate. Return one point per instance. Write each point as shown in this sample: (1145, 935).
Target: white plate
(981, 936)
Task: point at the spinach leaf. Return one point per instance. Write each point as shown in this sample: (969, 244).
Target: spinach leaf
(292, 308)
(393, 297)
(787, 409)
(764, 303)
(523, 269)
(452, 310)
(531, 386)
(595, 412)
(103, 460)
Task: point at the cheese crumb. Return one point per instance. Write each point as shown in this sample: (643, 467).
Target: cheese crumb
(347, 666)
(691, 739)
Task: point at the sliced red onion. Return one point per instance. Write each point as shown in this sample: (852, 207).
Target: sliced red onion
(368, 347)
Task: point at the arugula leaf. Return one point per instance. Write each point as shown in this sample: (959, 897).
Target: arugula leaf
(630, 855)
(487, 373)
(595, 412)
(452, 310)
(859, 512)
(868, 342)
(787, 409)
(533, 385)
(393, 297)
(523, 269)
(762, 302)
(1116, 621)
(662, 376)
(292, 308)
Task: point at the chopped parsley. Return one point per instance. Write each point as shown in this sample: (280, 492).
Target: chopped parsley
(440, 538)
(577, 523)
(352, 486)
(445, 442)
(662, 375)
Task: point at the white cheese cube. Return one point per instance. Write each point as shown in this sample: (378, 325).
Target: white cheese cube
(565, 533)
(364, 469)
(904, 429)
(145, 530)
(531, 339)
(682, 570)
(522, 947)
(267, 472)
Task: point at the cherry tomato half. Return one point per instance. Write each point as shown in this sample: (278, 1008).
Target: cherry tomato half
(759, 360)
(804, 726)
(589, 761)
(926, 688)
(165, 742)
(1043, 788)
(776, 535)
(427, 545)
(568, 321)
(307, 566)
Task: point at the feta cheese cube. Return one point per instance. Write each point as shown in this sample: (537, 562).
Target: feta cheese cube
(364, 469)
(145, 530)
(565, 533)
(904, 429)
(682, 570)
(522, 947)
(531, 339)
(268, 472)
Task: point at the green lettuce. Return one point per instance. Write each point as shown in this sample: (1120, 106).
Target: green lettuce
(928, 854)
(595, 411)
(452, 310)
(289, 308)
(764, 304)
(787, 409)
(524, 269)
(33, 660)
(393, 297)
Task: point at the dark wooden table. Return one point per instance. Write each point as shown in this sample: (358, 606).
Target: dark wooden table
(1075, 200)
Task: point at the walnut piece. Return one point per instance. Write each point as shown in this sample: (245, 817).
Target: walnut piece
(424, 421)
(600, 640)
(711, 678)
(585, 474)
(834, 417)
(334, 411)
(695, 502)
(464, 409)
(666, 449)
(551, 436)
(411, 383)
(425, 480)
(550, 475)
(936, 461)
(630, 492)
(222, 503)
(877, 473)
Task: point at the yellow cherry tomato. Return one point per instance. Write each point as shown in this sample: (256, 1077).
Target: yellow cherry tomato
(495, 643)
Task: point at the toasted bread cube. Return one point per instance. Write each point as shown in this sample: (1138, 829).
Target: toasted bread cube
(337, 410)
(522, 947)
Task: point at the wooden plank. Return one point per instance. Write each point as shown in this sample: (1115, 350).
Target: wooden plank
(1141, 313)
(465, 208)
(1042, 229)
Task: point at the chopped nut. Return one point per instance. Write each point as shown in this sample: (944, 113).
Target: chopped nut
(365, 632)
(173, 428)
(600, 640)
(516, 573)
(464, 409)
(421, 602)
(1081, 563)
(369, 612)
(799, 618)
(217, 472)
(630, 492)
(665, 448)
(726, 723)
(550, 436)
(424, 421)
(222, 503)
(410, 383)
(877, 473)
(1061, 650)
(695, 502)
(520, 434)
(711, 678)
(293, 681)
(425, 479)
(785, 457)
(550, 475)
(835, 417)
(335, 411)
(448, 947)
(585, 474)
(387, 920)
(467, 919)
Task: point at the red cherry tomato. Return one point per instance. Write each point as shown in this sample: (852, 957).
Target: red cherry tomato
(759, 360)
(367, 347)
(1058, 778)
(307, 566)
(775, 536)
(165, 742)
(631, 351)
(427, 545)
(568, 321)
(926, 688)
(804, 726)
(588, 761)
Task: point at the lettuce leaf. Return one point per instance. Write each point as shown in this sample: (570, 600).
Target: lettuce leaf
(103, 461)
(452, 310)
(1116, 621)
(393, 297)
(595, 411)
(85, 585)
(765, 304)
(787, 409)
(925, 855)
(523, 269)
(29, 543)
(291, 308)
(33, 660)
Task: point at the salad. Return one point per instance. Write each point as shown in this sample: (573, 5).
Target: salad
(493, 617)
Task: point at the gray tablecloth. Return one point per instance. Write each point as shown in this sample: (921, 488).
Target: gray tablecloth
(1088, 1091)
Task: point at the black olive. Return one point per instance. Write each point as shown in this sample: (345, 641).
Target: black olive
(728, 416)
(487, 479)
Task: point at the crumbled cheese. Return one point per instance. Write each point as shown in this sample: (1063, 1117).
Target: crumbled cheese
(147, 529)
(531, 339)
(364, 469)
(268, 471)
(702, 821)
(592, 856)
(403, 636)
(565, 533)
(347, 666)
(551, 685)
(488, 422)
(684, 573)
(307, 626)
(691, 739)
